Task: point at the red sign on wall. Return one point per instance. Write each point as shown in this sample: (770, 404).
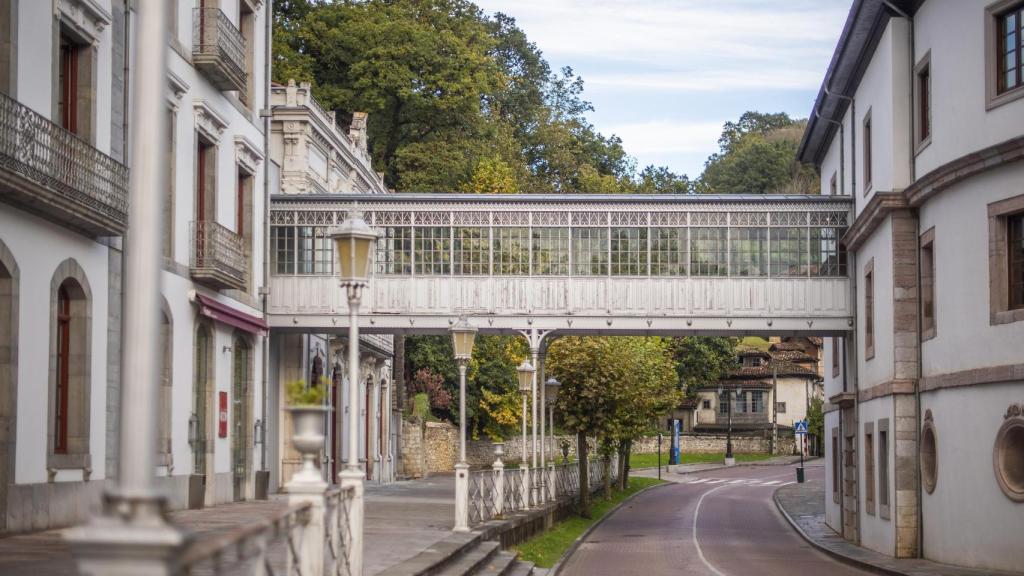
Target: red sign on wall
(222, 415)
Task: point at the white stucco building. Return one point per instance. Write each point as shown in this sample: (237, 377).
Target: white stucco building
(920, 119)
(315, 158)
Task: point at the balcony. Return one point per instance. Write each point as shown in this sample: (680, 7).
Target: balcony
(218, 257)
(49, 171)
(218, 49)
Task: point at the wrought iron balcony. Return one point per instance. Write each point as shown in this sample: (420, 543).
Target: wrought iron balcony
(218, 256)
(218, 49)
(49, 171)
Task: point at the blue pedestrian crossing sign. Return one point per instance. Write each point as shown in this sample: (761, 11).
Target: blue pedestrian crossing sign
(800, 427)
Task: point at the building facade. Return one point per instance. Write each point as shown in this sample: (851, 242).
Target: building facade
(314, 157)
(925, 130)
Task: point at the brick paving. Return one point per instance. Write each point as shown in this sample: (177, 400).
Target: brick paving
(402, 519)
(804, 507)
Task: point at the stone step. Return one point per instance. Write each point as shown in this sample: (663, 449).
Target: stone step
(470, 561)
(500, 565)
(522, 568)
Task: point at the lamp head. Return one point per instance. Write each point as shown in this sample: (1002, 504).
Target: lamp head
(525, 371)
(353, 243)
(463, 335)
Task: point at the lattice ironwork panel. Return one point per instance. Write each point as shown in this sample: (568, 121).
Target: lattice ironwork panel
(550, 218)
(472, 218)
(589, 218)
(282, 217)
(708, 218)
(789, 218)
(629, 218)
(433, 218)
(392, 218)
(829, 218)
(748, 218)
(668, 219)
(507, 218)
(315, 218)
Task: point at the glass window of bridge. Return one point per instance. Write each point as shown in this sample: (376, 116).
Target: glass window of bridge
(590, 251)
(748, 251)
(394, 250)
(828, 257)
(629, 251)
(315, 252)
(551, 251)
(471, 251)
(433, 250)
(282, 249)
(668, 251)
(709, 252)
(512, 251)
(789, 251)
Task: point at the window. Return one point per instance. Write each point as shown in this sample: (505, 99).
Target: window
(433, 251)
(706, 405)
(315, 251)
(789, 251)
(723, 401)
(756, 402)
(751, 361)
(590, 251)
(1009, 43)
(206, 180)
(243, 217)
(709, 252)
(200, 401)
(883, 468)
(551, 251)
(282, 249)
(668, 251)
(67, 95)
(471, 251)
(60, 418)
(748, 251)
(247, 26)
(835, 465)
(167, 243)
(869, 468)
(780, 407)
(1006, 260)
(835, 357)
(923, 101)
(828, 255)
(629, 251)
(512, 251)
(867, 152)
(832, 190)
(1015, 249)
(74, 90)
(928, 284)
(869, 309)
(394, 251)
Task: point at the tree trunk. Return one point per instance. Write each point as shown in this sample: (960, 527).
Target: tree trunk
(607, 477)
(583, 462)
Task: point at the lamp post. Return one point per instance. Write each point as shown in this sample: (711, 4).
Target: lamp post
(353, 241)
(551, 388)
(462, 344)
(525, 372)
(729, 460)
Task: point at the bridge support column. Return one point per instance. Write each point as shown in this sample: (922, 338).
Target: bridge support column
(542, 482)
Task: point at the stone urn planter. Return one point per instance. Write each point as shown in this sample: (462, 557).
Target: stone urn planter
(308, 439)
(499, 451)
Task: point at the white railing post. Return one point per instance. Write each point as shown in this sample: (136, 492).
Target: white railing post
(526, 486)
(552, 489)
(499, 479)
(309, 546)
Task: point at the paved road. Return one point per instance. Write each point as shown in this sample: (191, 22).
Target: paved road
(714, 523)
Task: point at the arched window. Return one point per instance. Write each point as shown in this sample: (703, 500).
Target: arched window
(8, 371)
(70, 369)
(163, 437)
(200, 422)
(241, 407)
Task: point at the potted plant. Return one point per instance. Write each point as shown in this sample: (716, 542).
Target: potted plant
(306, 404)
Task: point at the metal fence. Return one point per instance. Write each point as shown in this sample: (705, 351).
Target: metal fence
(481, 496)
(338, 537)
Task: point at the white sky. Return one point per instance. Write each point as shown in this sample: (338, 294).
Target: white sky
(666, 74)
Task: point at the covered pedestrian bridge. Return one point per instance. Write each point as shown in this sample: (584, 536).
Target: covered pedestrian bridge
(670, 264)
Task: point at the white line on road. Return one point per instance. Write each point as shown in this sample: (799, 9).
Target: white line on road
(771, 482)
(696, 544)
(786, 484)
(740, 481)
(716, 481)
(699, 480)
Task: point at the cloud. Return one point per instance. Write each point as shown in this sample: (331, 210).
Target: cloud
(664, 137)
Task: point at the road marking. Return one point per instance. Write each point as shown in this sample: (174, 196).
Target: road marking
(696, 544)
(771, 482)
(740, 481)
(786, 484)
(698, 480)
(716, 481)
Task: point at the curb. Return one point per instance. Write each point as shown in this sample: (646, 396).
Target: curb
(557, 567)
(821, 548)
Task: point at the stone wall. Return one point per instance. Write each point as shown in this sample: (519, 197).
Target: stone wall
(413, 456)
(441, 443)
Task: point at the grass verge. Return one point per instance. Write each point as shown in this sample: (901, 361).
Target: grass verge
(651, 460)
(544, 550)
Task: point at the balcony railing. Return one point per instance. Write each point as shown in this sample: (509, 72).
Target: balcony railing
(47, 170)
(218, 256)
(218, 49)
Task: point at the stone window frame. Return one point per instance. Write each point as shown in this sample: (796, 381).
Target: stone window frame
(869, 309)
(929, 479)
(835, 357)
(884, 498)
(1012, 488)
(780, 407)
(928, 283)
(206, 427)
(866, 154)
(923, 67)
(993, 99)
(870, 487)
(238, 339)
(78, 455)
(9, 290)
(9, 47)
(706, 404)
(164, 453)
(998, 273)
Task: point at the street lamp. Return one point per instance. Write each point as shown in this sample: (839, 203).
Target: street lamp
(551, 394)
(353, 241)
(729, 460)
(525, 372)
(462, 344)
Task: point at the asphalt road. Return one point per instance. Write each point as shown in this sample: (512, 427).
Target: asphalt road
(715, 523)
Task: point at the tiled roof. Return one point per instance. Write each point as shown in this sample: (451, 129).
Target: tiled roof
(796, 356)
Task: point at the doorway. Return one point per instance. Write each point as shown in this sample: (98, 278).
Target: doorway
(242, 375)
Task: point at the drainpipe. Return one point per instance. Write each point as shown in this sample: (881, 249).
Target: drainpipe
(265, 289)
(912, 172)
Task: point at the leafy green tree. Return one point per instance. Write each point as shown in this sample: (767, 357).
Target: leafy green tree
(702, 361)
(816, 418)
(757, 155)
(661, 180)
(493, 176)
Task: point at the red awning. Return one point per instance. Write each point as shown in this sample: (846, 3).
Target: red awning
(232, 317)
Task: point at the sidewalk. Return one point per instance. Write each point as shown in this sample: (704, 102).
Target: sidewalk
(402, 520)
(669, 473)
(803, 505)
